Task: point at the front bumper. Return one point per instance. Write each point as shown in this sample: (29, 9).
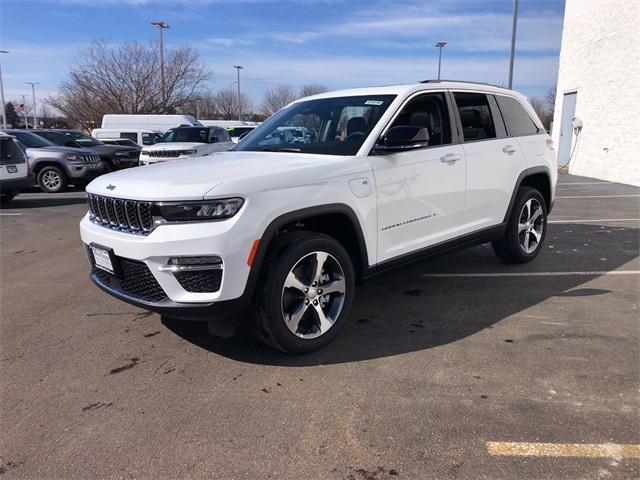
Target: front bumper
(85, 171)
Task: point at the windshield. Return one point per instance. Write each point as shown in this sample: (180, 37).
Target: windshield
(83, 139)
(32, 140)
(188, 134)
(329, 126)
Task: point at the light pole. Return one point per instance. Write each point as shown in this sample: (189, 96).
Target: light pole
(4, 114)
(513, 41)
(161, 26)
(33, 95)
(440, 45)
(24, 112)
(238, 68)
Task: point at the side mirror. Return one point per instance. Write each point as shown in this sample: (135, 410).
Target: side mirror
(403, 137)
(213, 140)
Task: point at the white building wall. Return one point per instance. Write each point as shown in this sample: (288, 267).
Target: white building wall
(600, 60)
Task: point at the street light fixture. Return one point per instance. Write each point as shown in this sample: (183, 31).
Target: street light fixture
(513, 41)
(238, 68)
(4, 114)
(33, 96)
(440, 45)
(161, 26)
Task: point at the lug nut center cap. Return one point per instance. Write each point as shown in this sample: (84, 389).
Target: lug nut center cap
(312, 293)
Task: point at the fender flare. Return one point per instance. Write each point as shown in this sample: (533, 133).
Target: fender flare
(524, 174)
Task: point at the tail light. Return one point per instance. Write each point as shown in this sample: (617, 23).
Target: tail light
(550, 144)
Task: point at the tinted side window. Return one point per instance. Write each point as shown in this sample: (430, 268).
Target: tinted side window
(428, 111)
(10, 152)
(222, 134)
(475, 116)
(130, 135)
(516, 118)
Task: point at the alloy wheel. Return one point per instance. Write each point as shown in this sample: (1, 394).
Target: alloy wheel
(51, 180)
(530, 225)
(313, 295)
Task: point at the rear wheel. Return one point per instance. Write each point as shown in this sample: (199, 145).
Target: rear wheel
(306, 295)
(52, 180)
(526, 228)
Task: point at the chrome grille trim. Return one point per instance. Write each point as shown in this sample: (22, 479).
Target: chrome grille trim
(130, 216)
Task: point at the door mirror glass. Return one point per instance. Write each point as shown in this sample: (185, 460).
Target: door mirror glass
(213, 139)
(404, 137)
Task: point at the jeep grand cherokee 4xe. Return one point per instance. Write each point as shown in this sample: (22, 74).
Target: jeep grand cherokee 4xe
(278, 232)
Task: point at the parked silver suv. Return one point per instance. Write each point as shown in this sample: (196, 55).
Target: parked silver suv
(56, 167)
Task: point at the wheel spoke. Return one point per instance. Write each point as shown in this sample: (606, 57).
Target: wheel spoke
(522, 227)
(325, 323)
(537, 234)
(337, 286)
(293, 282)
(527, 240)
(293, 319)
(536, 214)
(321, 258)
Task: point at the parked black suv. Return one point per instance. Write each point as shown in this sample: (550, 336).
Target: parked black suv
(115, 157)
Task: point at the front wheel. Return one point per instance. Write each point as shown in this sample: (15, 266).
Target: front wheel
(526, 228)
(52, 180)
(307, 293)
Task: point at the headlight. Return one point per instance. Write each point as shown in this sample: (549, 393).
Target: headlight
(188, 152)
(71, 157)
(121, 154)
(198, 211)
(142, 152)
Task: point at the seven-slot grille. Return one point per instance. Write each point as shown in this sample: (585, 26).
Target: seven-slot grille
(166, 153)
(125, 215)
(89, 158)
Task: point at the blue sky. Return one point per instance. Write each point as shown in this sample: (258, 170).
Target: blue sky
(340, 43)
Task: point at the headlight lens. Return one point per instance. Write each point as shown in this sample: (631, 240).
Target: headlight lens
(188, 152)
(199, 211)
(71, 157)
(121, 154)
(143, 152)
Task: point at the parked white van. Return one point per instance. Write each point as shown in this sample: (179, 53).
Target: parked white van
(141, 136)
(187, 142)
(160, 123)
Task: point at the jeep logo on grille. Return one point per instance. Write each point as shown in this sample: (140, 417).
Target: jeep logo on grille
(110, 187)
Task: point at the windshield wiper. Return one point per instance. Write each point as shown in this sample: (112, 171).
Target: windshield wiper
(284, 149)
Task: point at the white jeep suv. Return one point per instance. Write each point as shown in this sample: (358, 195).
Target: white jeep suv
(186, 142)
(280, 233)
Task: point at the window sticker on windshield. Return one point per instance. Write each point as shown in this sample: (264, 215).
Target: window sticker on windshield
(374, 102)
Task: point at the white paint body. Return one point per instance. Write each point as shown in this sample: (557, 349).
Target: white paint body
(600, 62)
(434, 200)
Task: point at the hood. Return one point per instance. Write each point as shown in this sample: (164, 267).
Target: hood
(39, 152)
(174, 146)
(224, 173)
(109, 149)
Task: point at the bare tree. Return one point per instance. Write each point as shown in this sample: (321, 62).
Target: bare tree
(126, 79)
(550, 99)
(204, 106)
(277, 98)
(313, 89)
(226, 103)
(545, 114)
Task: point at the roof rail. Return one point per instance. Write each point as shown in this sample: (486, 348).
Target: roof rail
(461, 81)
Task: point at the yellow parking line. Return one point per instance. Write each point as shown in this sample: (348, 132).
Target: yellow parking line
(588, 450)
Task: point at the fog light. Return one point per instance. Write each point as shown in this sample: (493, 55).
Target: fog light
(212, 260)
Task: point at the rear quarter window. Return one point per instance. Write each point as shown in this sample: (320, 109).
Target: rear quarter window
(518, 122)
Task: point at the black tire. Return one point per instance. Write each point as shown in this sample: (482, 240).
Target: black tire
(6, 197)
(47, 182)
(268, 317)
(511, 247)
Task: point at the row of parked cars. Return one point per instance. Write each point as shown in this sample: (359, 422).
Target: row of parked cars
(56, 158)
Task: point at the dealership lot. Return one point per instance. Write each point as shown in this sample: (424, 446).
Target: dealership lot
(443, 367)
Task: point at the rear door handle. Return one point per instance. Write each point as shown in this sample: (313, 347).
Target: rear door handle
(450, 158)
(509, 149)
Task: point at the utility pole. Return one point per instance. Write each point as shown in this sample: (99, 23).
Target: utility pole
(440, 45)
(238, 68)
(513, 41)
(33, 95)
(161, 26)
(4, 113)
(24, 112)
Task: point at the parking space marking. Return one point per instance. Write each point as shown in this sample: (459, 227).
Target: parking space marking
(531, 274)
(587, 450)
(595, 220)
(581, 183)
(601, 196)
(8, 214)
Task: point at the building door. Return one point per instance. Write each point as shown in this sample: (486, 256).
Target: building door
(566, 128)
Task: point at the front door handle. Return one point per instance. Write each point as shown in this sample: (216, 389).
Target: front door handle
(509, 149)
(450, 158)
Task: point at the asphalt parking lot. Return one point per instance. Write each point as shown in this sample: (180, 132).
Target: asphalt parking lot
(458, 367)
